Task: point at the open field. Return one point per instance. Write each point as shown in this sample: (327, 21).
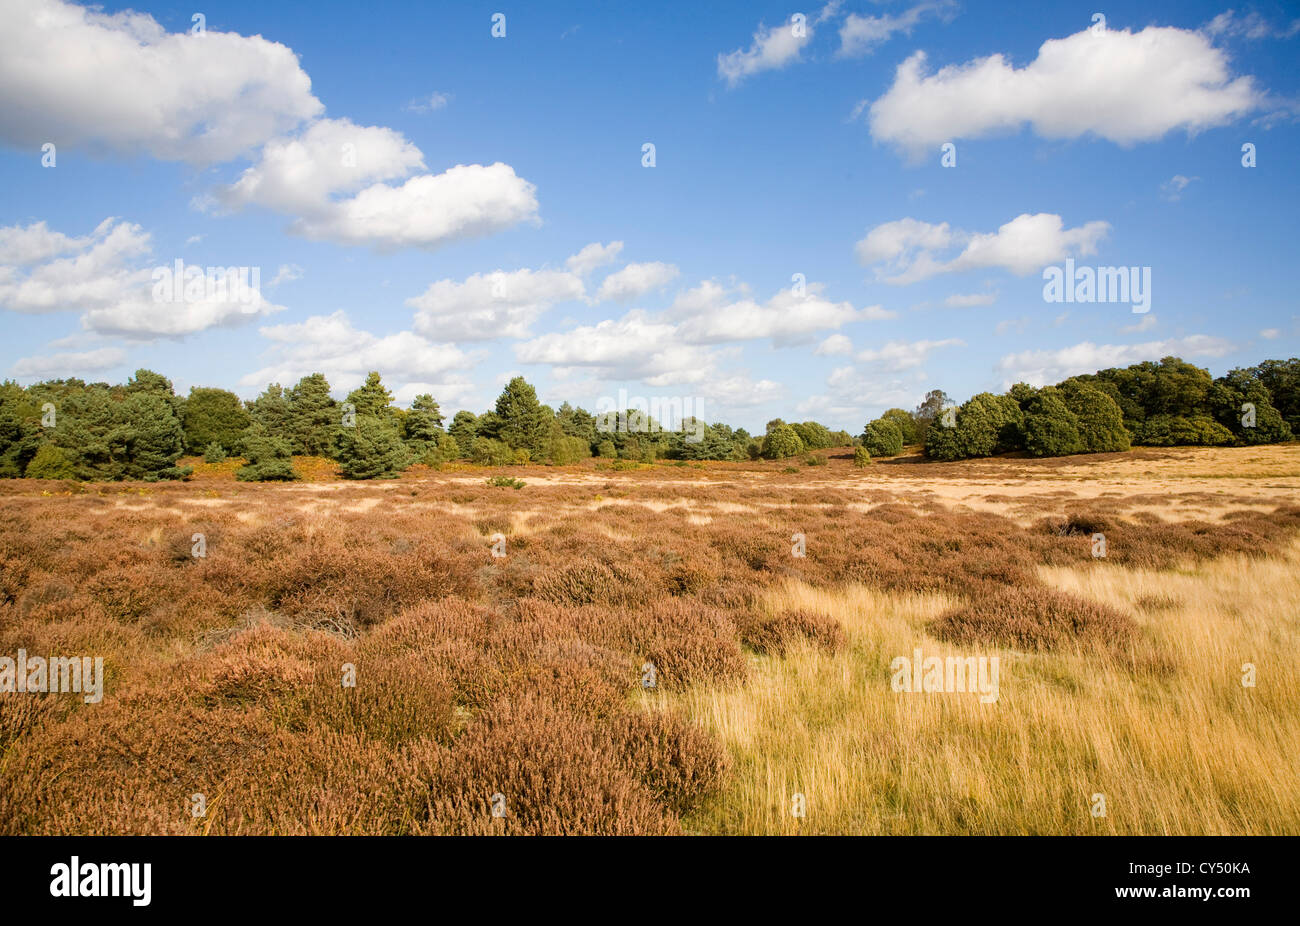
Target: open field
(516, 682)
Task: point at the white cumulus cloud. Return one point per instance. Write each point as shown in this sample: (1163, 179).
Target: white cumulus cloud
(120, 82)
(861, 35)
(1046, 367)
(491, 305)
(907, 251)
(594, 255)
(72, 363)
(104, 276)
(772, 49)
(1119, 85)
(332, 345)
(635, 280)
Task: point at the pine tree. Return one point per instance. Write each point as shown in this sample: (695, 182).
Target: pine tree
(371, 448)
(525, 422)
(270, 458)
(313, 417)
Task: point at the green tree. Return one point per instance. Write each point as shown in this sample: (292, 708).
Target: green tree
(371, 448)
(1243, 404)
(149, 382)
(447, 450)
(491, 452)
(463, 430)
(150, 434)
(936, 400)
(906, 424)
(781, 441)
(213, 416)
(524, 422)
(1051, 429)
(134, 433)
(270, 410)
(882, 438)
(50, 463)
(20, 430)
(984, 425)
(372, 398)
(313, 418)
(1179, 431)
(814, 436)
(422, 427)
(269, 458)
(1282, 380)
(1099, 420)
(577, 422)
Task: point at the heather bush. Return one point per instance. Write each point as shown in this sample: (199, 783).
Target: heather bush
(774, 633)
(1035, 619)
(522, 675)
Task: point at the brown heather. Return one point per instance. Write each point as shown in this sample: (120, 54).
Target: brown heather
(1035, 619)
(521, 676)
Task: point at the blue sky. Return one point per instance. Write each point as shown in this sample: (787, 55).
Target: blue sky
(452, 208)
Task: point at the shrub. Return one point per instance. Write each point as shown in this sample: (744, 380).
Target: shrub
(505, 482)
(1051, 429)
(1035, 619)
(214, 453)
(270, 459)
(489, 452)
(50, 463)
(814, 436)
(1099, 420)
(883, 438)
(781, 442)
(905, 421)
(371, 448)
(814, 460)
(566, 449)
(774, 634)
(861, 456)
(446, 451)
(1172, 431)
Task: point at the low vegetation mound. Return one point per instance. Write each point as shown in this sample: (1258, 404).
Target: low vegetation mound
(1035, 619)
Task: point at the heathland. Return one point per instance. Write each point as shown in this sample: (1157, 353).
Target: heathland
(621, 647)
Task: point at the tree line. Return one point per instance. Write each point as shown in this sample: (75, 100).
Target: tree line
(70, 429)
(1169, 403)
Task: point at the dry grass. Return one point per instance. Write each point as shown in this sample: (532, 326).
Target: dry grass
(1177, 747)
(522, 675)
